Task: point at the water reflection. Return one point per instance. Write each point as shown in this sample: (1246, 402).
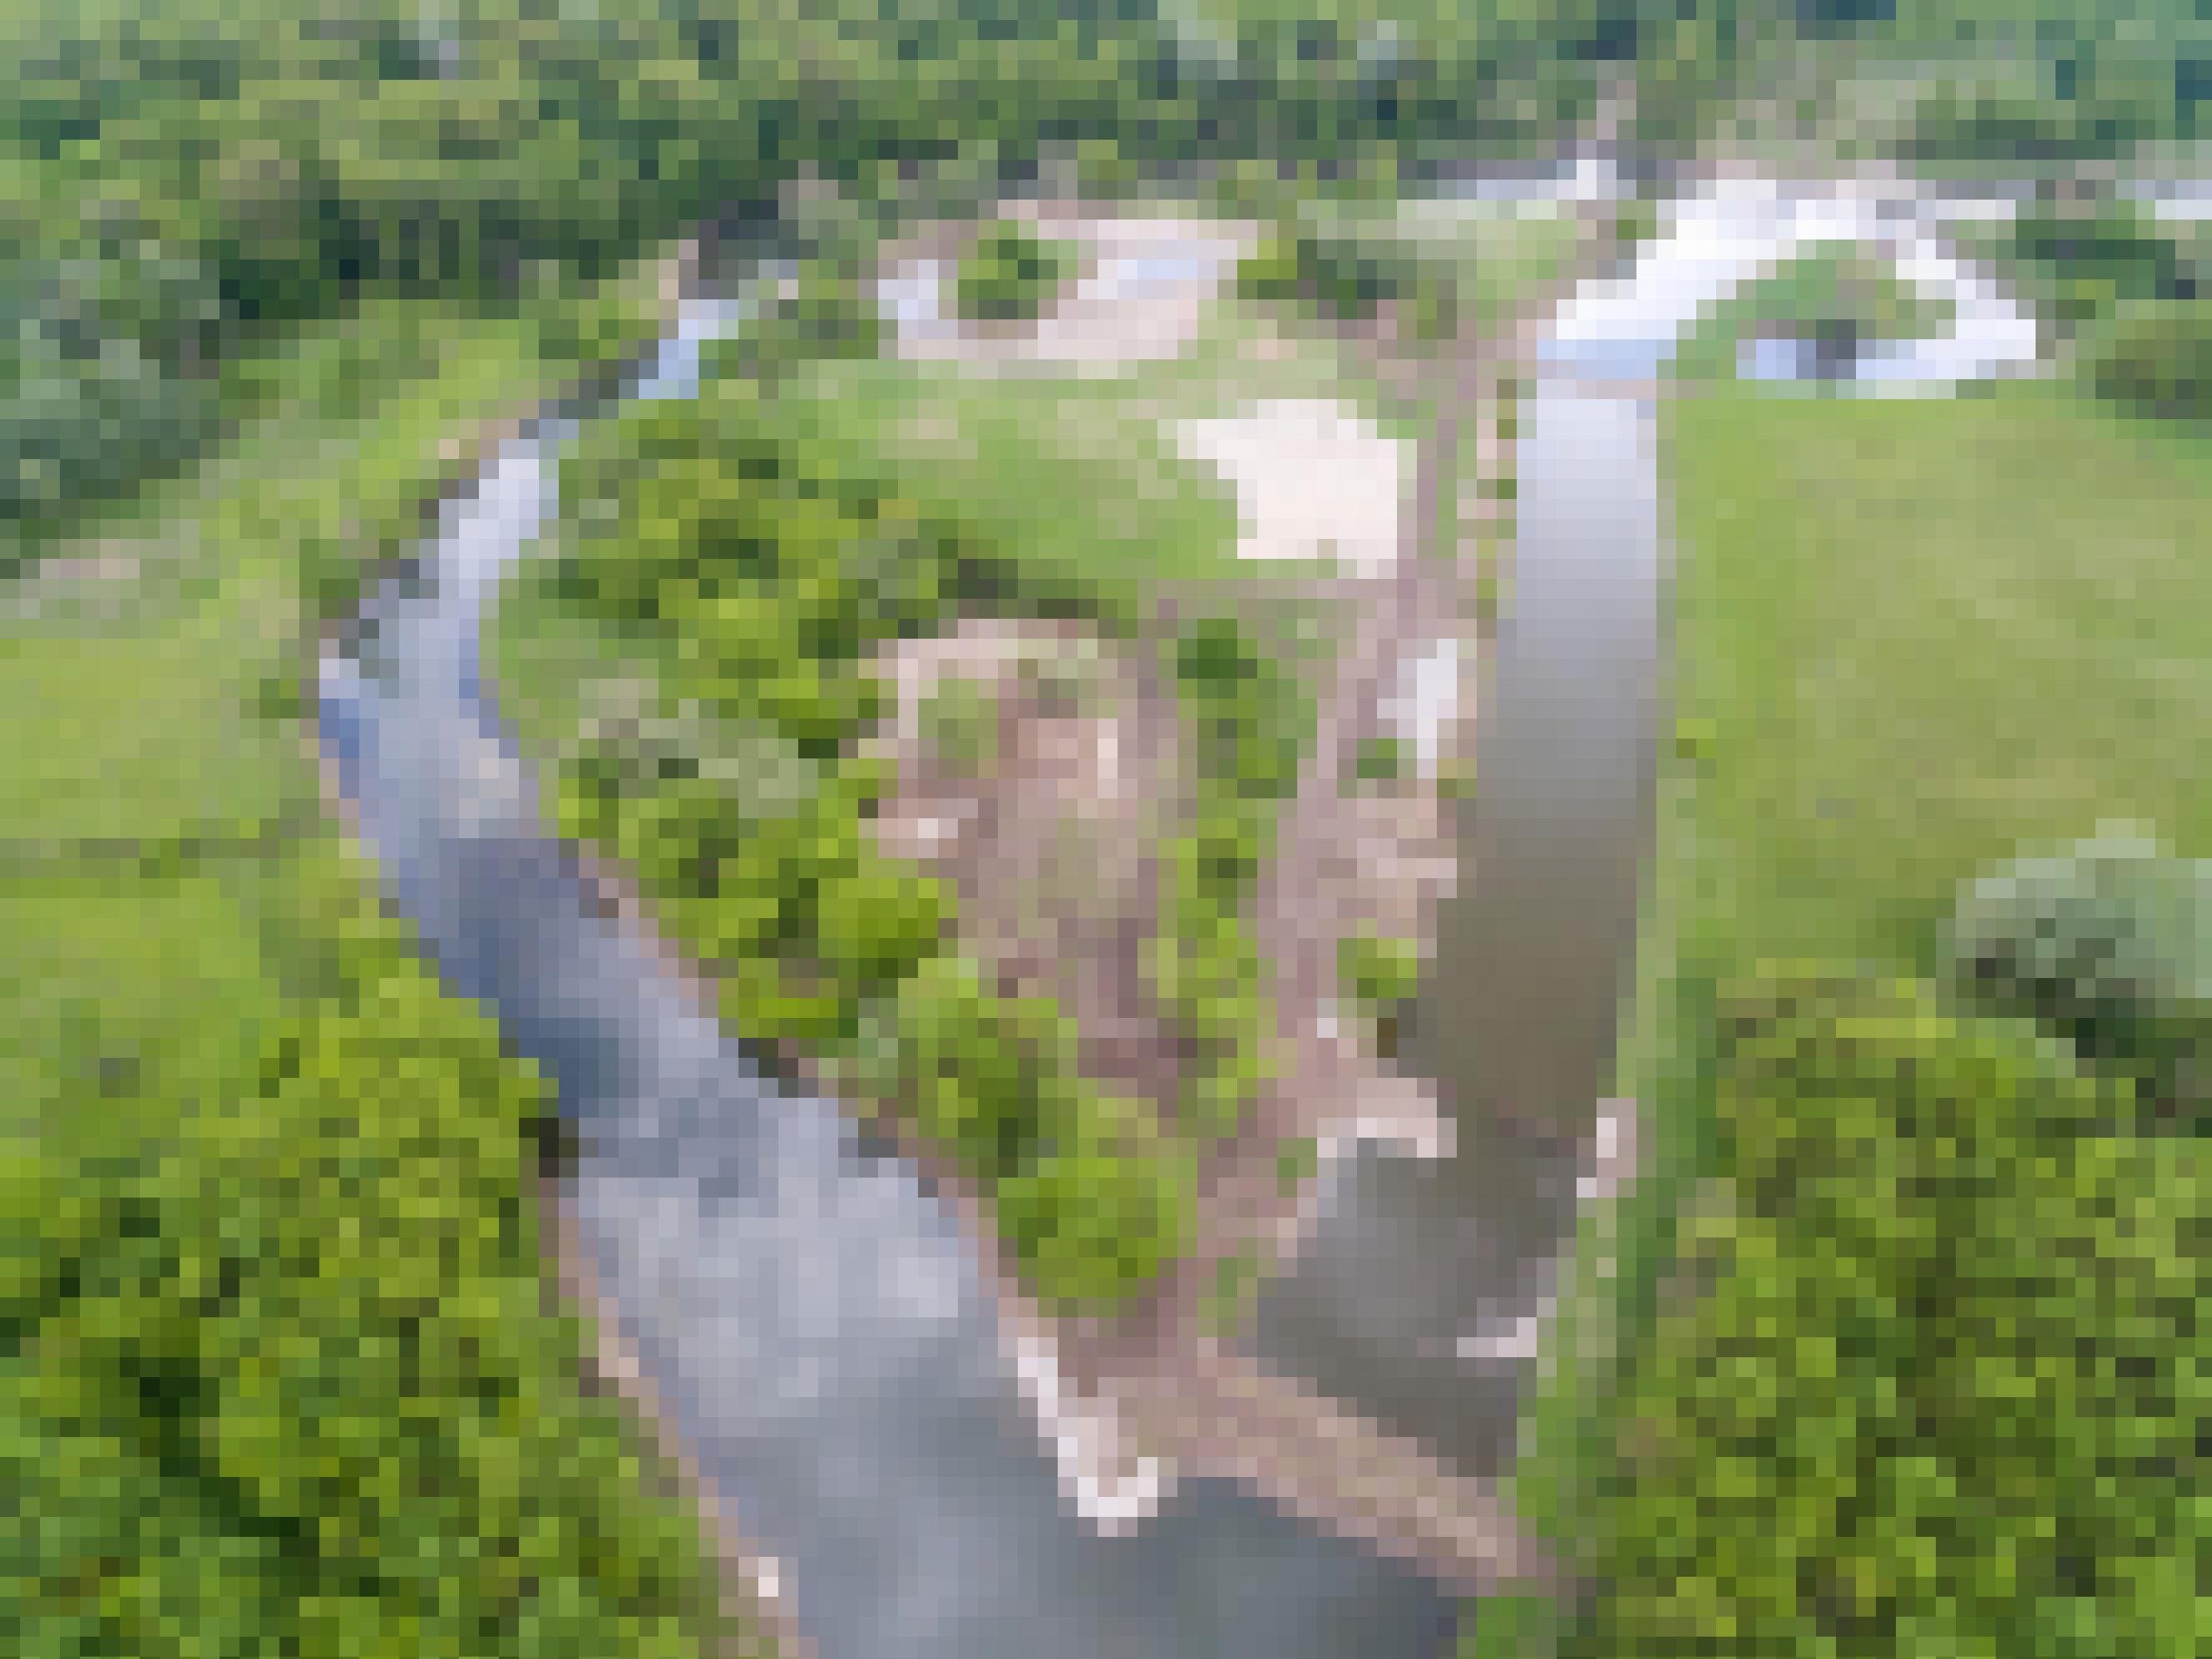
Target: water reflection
(1418, 1287)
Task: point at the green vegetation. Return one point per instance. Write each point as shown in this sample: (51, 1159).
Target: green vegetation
(2109, 945)
(1006, 456)
(1955, 1420)
(2124, 295)
(1250, 719)
(275, 1358)
(730, 585)
(1380, 979)
(2082, 263)
(1348, 278)
(1448, 267)
(1012, 275)
(1378, 972)
(259, 265)
(732, 582)
(2157, 361)
(1382, 760)
(1903, 1506)
(960, 722)
(190, 185)
(1846, 301)
(1837, 558)
(826, 317)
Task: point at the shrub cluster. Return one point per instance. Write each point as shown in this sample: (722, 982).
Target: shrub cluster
(1010, 274)
(2109, 944)
(2157, 361)
(1349, 278)
(755, 581)
(1248, 719)
(1923, 1379)
(275, 1363)
(827, 314)
(101, 381)
(2084, 264)
(1376, 973)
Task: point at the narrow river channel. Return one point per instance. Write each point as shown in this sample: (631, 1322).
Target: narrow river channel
(817, 1334)
(1419, 1296)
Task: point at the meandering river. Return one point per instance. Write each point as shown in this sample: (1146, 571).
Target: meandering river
(818, 1334)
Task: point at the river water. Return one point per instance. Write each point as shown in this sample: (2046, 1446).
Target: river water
(816, 1332)
(1423, 1280)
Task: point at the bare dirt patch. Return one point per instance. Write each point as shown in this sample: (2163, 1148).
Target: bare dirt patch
(1045, 819)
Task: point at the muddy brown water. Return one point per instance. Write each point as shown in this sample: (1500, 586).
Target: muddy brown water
(1409, 1255)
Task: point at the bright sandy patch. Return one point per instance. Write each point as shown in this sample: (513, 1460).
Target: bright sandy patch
(1314, 481)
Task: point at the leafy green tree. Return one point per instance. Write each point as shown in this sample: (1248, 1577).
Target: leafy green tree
(1920, 1379)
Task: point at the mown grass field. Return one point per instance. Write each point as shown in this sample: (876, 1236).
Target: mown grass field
(1916, 636)
(1912, 638)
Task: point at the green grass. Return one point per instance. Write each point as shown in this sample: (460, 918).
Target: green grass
(1811, 291)
(127, 706)
(1063, 475)
(1502, 259)
(1912, 638)
(1923, 635)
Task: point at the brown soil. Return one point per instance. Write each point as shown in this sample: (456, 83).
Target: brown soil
(1051, 842)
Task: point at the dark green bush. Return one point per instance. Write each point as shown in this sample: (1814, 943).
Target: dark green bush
(1923, 1379)
(1091, 1226)
(1377, 973)
(1248, 716)
(1382, 760)
(99, 387)
(1012, 275)
(1249, 713)
(1273, 271)
(2109, 945)
(1635, 223)
(2084, 263)
(827, 316)
(1345, 277)
(2157, 361)
(601, 328)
